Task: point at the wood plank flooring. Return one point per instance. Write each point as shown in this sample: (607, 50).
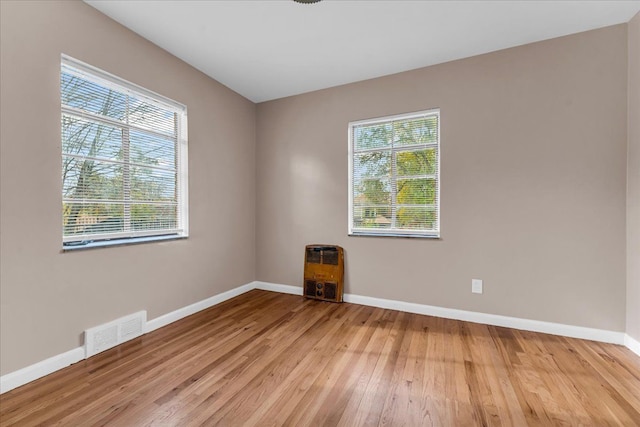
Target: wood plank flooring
(264, 359)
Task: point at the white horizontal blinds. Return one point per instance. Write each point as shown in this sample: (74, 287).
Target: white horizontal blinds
(121, 157)
(395, 174)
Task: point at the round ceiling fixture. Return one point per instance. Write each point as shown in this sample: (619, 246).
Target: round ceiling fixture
(306, 1)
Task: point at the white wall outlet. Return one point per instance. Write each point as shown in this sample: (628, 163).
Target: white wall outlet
(476, 286)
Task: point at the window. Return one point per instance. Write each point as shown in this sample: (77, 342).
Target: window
(124, 160)
(394, 175)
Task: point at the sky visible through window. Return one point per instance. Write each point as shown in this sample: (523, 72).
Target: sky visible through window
(119, 161)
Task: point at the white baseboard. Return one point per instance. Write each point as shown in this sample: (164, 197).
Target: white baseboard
(40, 369)
(276, 287)
(469, 316)
(178, 314)
(632, 344)
(55, 363)
(493, 319)
(52, 364)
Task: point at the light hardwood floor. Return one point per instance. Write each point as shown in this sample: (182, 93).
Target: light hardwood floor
(273, 359)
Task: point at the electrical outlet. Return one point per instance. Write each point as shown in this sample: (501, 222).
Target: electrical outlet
(476, 286)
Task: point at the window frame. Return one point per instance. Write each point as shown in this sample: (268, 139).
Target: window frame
(394, 232)
(69, 65)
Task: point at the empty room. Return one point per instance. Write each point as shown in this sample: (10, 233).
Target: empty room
(319, 213)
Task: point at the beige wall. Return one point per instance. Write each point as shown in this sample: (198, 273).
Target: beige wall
(533, 183)
(633, 182)
(47, 297)
(534, 146)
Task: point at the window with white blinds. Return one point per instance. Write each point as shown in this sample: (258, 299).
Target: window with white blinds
(124, 159)
(394, 175)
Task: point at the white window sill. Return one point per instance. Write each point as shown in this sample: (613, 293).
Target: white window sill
(88, 244)
(394, 234)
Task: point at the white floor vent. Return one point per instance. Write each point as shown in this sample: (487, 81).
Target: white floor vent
(108, 335)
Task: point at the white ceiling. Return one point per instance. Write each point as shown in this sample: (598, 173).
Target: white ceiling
(268, 49)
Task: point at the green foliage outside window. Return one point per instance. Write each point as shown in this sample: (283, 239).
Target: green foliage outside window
(395, 174)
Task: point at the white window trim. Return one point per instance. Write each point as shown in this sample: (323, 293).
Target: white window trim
(91, 73)
(432, 234)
